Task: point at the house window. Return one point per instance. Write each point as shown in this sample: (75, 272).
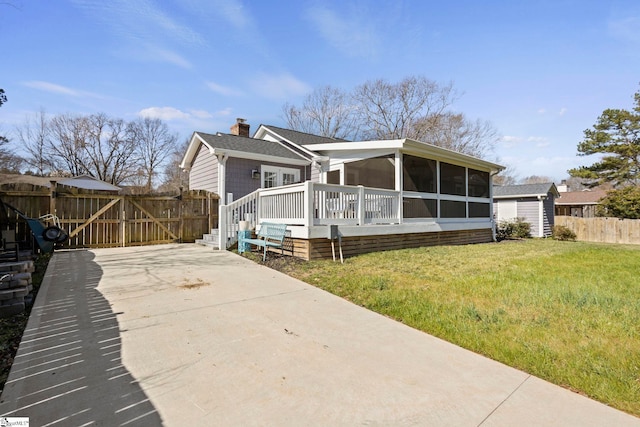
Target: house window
(478, 183)
(378, 172)
(452, 179)
(418, 174)
(270, 179)
(289, 178)
(274, 176)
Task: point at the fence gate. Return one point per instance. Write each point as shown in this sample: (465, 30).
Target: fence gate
(109, 220)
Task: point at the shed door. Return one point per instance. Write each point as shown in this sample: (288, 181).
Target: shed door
(507, 209)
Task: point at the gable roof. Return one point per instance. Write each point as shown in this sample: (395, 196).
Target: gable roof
(407, 146)
(524, 190)
(241, 147)
(587, 197)
(273, 143)
(299, 138)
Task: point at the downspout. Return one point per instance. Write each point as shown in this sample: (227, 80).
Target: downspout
(317, 163)
(493, 215)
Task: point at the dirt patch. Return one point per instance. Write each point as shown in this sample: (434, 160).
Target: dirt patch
(195, 284)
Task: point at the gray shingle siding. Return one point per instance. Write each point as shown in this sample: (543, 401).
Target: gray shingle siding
(204, 171)
(240, 182)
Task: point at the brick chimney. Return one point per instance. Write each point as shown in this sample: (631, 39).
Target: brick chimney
(240, 128)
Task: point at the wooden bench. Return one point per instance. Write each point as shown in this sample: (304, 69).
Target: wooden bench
(270, 235)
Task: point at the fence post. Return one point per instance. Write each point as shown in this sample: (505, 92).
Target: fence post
(124, 228)
(53, 193)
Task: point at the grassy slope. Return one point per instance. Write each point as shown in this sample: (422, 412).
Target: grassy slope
(564, 311)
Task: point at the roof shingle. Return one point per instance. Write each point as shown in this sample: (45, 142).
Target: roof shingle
(249, 145)
(522, 190)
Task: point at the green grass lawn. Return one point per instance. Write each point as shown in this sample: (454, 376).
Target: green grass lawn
(568, 312)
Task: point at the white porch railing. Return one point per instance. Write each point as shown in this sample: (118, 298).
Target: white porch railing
(229, 217)
(310, 204)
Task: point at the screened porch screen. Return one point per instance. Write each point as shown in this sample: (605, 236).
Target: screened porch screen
(378, 172)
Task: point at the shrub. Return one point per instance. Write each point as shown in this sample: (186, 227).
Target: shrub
(516, 228)
(560, 232)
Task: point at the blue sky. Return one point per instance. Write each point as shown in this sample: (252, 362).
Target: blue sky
(540, 71)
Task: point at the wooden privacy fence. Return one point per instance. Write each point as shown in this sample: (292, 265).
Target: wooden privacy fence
(95, 220)
(600, 229)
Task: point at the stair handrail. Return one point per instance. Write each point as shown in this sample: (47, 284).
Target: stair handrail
(243, 209)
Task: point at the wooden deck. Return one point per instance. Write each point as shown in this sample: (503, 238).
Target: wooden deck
(367, 219)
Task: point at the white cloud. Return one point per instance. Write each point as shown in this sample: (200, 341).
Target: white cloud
(562, 111)
(234, 12)
(164, 113)
(139, 20)
(509, 138)
(511, 141)
(224, 112)
(536, 139)
(191, 117)
(223, 90)
(353, 38)
(52, 87)
(279, 87)
(201, 114)
(171, 57)
(59, 89)
(542, 111)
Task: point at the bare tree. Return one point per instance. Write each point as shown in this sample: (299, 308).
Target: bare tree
(536, 179)
(391, 111)
(415, 108)
(66, 149)
(9, 162)
(104, 147)
(456, 132)
(326, 112)
(154, 144)
(507, 176)
(174, 176)
(34, 135)
(111, 149)
(95, 145)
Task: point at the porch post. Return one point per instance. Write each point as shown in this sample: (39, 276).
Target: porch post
(399, 184)
(361, 210)
(222, 177)
(308, 203)
(222, 227)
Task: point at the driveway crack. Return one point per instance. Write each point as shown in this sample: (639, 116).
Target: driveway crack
(505, 399)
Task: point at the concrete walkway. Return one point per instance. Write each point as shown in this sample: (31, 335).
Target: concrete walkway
(180, 335)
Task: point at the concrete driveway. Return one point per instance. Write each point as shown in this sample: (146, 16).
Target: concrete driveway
(180, 335)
